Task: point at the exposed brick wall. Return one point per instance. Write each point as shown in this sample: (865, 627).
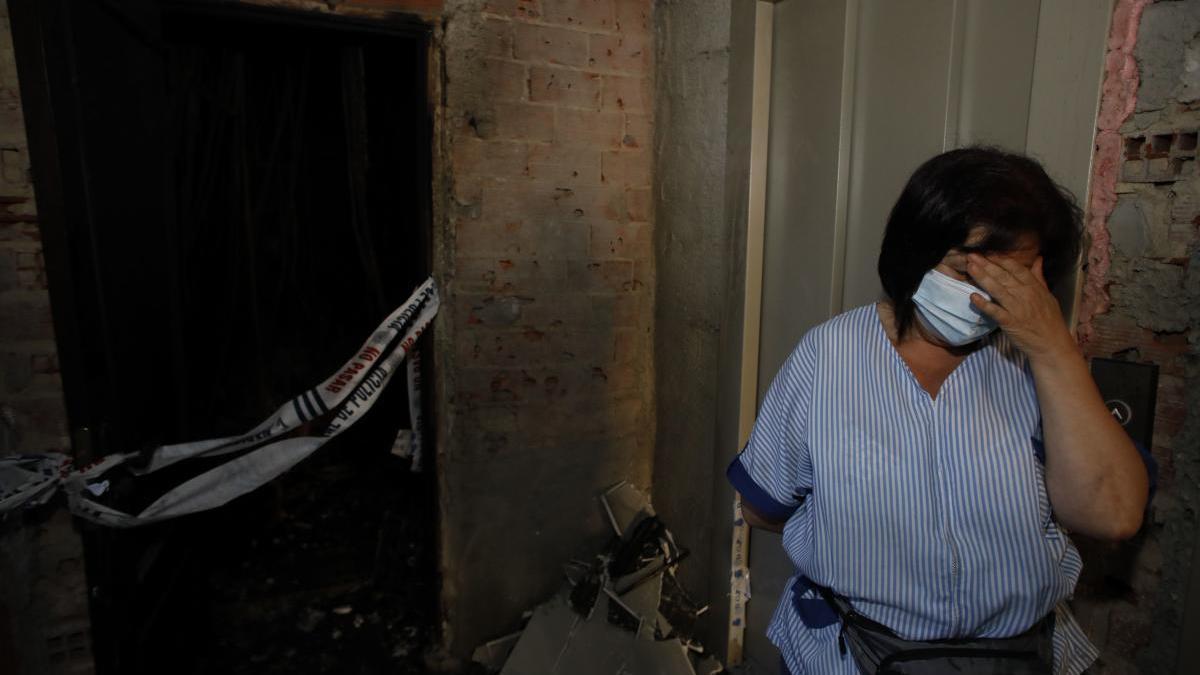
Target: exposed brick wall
(44, 625)
(426, 9)
(1142, 303)
(546, 343)
(45, 628)
(32, 417)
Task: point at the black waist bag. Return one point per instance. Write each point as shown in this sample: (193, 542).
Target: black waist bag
(878, 650)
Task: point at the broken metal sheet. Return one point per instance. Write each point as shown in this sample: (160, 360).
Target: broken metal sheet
(598, 648)
(492, 655)
(575, 571)
(544, 639)
(625, 506)
(586, 587)
(626, 583)
(643, 598)
(643, 544)
(678, 608)
(620, 614)
(590, 647)
(709, 665)
(664, 626)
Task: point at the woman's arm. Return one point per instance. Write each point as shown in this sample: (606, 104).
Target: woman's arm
(774, 469)
(1095, 477)
(1097, 480)
(759, 520)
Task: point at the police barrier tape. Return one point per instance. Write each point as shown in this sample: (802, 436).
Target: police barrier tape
(28, 480)
(408, 442)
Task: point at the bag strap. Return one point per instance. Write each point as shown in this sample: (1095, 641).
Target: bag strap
(846, 611)
(848, 617)
(1015, 648)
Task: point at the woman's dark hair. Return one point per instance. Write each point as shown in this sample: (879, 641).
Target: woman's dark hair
(948, 196)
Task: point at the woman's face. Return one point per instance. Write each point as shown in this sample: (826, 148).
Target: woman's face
(954, 265)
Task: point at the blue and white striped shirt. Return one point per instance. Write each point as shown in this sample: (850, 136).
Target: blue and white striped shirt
(930, 515)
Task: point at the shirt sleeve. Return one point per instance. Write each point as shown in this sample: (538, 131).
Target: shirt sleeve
(774, 471)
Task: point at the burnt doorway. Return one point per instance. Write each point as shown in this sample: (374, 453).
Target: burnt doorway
(231, 198)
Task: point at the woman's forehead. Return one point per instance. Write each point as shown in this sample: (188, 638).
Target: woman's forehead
(979, 235)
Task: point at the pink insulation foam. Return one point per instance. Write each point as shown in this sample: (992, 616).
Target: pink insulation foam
(1118, 96)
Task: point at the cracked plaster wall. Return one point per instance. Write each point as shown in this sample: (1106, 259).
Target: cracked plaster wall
(1143, 305)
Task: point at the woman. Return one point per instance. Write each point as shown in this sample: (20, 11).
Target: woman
(924, 456)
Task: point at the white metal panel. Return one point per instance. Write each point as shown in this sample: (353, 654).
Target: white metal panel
(804, 201)
(903, 74)
(999, 44)
(800, 256)
(1065, 96)
(1068, 71)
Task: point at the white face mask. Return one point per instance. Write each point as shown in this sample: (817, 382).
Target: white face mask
(944, 305)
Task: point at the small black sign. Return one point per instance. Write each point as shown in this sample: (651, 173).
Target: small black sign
(1130, 393)
(1120, 410)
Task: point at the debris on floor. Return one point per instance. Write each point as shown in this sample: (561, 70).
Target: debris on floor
(331, 574)
(623, 612)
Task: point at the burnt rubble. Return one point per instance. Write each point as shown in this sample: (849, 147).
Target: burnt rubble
(622, 612)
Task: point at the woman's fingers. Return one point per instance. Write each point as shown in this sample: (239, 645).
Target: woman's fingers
(1020, 273)
(991, 277)
(1021, 302)
(995, 311)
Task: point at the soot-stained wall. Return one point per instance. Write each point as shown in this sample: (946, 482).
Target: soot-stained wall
(44, 621)
(544, 359)
(543, 222)
(32, 416)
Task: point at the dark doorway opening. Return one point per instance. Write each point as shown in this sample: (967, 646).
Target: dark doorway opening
(232, 197)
